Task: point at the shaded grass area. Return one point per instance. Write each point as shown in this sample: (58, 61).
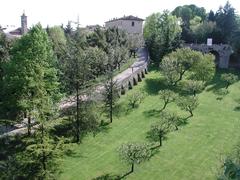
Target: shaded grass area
(192, 152)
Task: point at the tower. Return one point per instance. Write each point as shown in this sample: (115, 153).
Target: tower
(24, 28)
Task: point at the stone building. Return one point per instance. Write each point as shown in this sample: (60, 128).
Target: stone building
(21, 30)
(131, 24)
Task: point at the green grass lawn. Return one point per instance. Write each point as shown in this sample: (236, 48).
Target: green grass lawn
(192, 152)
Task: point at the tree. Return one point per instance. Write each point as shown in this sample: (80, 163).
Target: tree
(177, 63)
(159, 130)
(187, 13)
(134, 153)
(226, 22)
(134, 42)
(41, 158)
(172, 118)
(194, 87)
(135, 99)
(31, 76)
(78, 73)
(167, 96)
(189, 103)
(59, 41)
(87, 119)
(229, 79)
(98, 60)
(161, 34)
(204, 30)
(110, 94)
(204, 68)
(5, 47)
(97, 39)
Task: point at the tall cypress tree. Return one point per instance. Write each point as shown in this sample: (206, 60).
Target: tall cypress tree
(31, 76)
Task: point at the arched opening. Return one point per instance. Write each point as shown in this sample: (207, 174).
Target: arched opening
(217, 57)
(234, 61)
(146, 71)
(134, 81)
(122, 90)
(129, 85)
(139, 78)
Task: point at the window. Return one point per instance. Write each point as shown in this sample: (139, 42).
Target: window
(132, 23)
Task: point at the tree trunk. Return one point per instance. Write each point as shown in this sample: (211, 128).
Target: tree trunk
(227, 85)
(119, 67)
(160, 141)
(194, 93)
(29, 125)
(132, 168)
(164, 106)
(43, 151)
(176, 128)
(191, 113)
(111, 99)
(77, 117)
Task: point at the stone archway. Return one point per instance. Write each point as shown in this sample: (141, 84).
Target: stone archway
(223, 51)
(217, 57)
(234, 61)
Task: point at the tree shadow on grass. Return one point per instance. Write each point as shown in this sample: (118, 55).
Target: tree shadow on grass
(103, 127)
(237, 108)
(216, 83)
(108, 176)
(152, 86)
(152, 113)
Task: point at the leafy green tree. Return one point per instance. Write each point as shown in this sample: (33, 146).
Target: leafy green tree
(97, 39)
(134, 153)
(134, 42)
(31, 75)
(172, 118)
(187, 13)
(189, 103)
(204, 30)
(177, 63)
(167, 96)
(229, 79)
(161, 34)
(116, 37)
(98, 60)
(204, 68)
(159, 130)
(59, 41)
(135, 99)
(5, 46)
(230, 166)
(194, 87)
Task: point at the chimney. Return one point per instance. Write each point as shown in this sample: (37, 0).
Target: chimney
(24, 28)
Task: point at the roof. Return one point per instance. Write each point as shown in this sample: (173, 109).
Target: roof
(16, 32)
(130, 18)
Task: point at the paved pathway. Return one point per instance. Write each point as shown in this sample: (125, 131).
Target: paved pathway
(142, 60)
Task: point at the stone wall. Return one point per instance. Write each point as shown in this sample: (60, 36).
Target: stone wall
(127, 26)
(223, 50)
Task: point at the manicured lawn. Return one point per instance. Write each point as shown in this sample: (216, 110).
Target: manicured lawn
(192, 152)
